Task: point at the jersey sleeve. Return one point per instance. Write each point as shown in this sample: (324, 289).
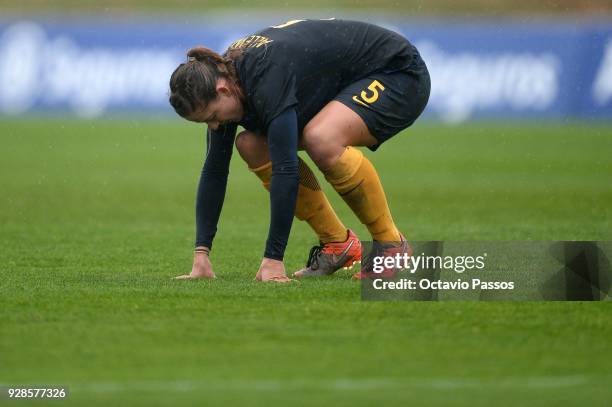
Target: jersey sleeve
(274, 92)
(213, 183)
(282, 144)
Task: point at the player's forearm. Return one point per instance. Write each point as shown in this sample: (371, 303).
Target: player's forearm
(213, 185)
(283, 194)
(209, 202)
(282, 141)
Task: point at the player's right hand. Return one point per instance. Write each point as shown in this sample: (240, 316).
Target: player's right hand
(202, 268)
(272, 270)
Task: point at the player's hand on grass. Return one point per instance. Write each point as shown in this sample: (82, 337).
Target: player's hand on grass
(272, 270)
(202, 268)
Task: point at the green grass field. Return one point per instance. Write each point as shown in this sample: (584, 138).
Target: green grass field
(97, 217)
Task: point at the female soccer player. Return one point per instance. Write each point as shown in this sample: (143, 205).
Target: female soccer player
(325, 86)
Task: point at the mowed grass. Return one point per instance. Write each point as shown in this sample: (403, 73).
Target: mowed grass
(97, 217)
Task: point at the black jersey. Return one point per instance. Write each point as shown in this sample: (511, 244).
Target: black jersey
(305, 63)
(288, 74)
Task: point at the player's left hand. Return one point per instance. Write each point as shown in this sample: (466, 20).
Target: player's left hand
(202, 267)
(272, 270)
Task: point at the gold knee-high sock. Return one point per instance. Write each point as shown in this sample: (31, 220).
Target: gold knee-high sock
(312, 205)
(353, 176)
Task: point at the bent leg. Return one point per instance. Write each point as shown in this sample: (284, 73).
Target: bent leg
(333, 129)
(312, 205)
(328, 138)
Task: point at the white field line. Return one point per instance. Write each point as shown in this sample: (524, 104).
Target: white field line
(275, 385)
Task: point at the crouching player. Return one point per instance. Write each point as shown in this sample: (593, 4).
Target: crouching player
(324, 86)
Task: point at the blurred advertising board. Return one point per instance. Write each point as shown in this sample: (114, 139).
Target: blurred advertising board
(548, 69)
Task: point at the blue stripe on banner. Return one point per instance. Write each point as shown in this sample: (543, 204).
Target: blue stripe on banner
(479, 69)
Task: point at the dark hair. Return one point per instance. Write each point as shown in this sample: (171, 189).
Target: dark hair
(193, 83)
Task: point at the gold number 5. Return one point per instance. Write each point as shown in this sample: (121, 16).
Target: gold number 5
(373, 87)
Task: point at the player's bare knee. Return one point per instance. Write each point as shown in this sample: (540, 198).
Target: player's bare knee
(244, 140)
(321, 146)
(252, 148)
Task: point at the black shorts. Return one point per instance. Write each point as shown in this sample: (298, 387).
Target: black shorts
(389, 102)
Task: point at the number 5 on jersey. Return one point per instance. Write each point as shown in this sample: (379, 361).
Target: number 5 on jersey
(367, 99)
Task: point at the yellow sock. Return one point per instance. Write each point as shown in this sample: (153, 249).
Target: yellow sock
(353, 176)
(312, 205)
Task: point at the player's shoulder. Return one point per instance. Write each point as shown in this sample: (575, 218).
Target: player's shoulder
(294, 30)
(256, 53)
(290, 32)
